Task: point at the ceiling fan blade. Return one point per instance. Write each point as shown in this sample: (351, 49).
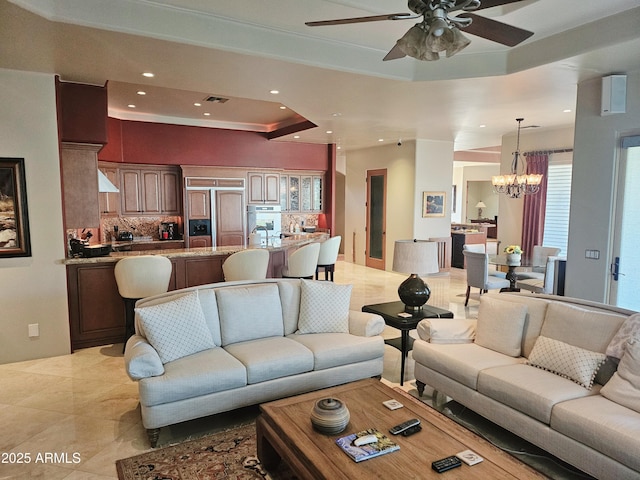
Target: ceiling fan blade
(394, 53)
(495, 31)
(494, 3)
(375, 18)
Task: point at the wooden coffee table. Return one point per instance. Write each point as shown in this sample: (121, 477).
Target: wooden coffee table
(284, 432)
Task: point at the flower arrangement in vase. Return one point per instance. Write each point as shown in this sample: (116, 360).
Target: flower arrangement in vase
(514, 254)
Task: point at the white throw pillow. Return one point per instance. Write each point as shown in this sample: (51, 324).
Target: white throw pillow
(629, 329)
(176, 328)
(574, 363)
(624, 386)
(324, 307)
(500, 325)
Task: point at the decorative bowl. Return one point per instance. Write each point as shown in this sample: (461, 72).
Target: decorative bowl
(330, 416)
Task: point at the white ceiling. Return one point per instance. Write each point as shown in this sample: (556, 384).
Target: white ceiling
(333, 76)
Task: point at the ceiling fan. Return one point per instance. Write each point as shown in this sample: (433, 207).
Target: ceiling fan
(438, 31)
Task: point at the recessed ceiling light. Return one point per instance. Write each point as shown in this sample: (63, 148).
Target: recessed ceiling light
(197, 104)
(296, 136)
(148, 75)
(282, 107)
(566, 110)
(482, 126)
(274, 92)
(131, 105)
(140, 92)
(207, 114)
(339, 147)
(337, 114)
(329, 131)
(381, 139)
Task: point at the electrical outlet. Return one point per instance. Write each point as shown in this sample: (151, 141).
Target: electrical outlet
(592, 254)
(34, 330)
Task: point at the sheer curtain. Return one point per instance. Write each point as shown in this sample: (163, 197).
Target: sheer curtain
(535, 205)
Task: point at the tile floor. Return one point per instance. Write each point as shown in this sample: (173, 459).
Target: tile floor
(72, 417)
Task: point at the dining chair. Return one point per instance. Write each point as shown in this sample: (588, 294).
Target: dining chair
(482, 248)
(543, 285)
(539, 257)
(478, 275)
(140, 277)
(328, 256)
(302, 262)
(251, 264)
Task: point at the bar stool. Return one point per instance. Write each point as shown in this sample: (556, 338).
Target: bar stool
(303, 262)
(246, 265)
(328, 256)
(140, 277)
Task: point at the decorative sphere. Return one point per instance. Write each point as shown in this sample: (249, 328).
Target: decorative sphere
(330, 416)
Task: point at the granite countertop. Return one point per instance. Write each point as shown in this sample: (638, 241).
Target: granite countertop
(277, 244)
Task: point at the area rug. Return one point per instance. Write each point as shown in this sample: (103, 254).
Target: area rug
(228, 455)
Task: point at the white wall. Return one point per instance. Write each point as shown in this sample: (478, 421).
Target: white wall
(399, 162)
(434, 173)
(593, 186)
(34, 288)
(413, 168)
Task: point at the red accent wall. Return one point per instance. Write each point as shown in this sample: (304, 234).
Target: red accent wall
(160, 143)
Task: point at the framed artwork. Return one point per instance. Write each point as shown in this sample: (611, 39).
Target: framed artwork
(14, 218)
(433, 204)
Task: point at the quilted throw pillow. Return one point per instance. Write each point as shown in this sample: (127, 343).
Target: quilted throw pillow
(176, 328)
(624, 386)
(574, 363)
(629, 329)
(324, 307)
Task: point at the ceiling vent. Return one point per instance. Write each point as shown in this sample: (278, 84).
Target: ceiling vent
(214, 99)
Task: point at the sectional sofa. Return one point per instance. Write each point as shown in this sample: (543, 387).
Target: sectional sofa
(562, 373)
(219, 347)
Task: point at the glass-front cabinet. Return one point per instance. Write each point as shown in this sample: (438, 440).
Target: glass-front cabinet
(301, 192)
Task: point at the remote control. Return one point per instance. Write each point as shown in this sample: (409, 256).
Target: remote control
(411, 430)
(404, 425)
(446, 464)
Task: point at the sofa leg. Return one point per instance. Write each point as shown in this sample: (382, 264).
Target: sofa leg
(420, 386)
(153, 434)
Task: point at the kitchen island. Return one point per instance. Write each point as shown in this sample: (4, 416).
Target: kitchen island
(96, 310)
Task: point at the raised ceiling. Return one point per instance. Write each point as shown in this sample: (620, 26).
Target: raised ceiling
(332, 76)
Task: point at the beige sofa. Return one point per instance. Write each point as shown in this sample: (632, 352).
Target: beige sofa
(533, 365)
(219, 347)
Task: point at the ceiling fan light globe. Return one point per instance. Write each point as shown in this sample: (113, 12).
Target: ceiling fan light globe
(458, 43)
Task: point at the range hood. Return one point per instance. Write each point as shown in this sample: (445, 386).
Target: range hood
(105, 185)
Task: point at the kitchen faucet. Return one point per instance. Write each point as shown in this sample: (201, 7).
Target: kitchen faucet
(266, 233)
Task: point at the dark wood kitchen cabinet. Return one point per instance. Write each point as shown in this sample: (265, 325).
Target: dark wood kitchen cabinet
(263, 188)
(149, 190)
(96, 310)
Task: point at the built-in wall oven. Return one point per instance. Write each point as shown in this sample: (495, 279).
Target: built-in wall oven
(265, 220)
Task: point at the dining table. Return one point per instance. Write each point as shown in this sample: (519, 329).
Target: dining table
(512, 276)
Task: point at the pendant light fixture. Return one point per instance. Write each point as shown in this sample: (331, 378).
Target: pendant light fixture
(517, 183)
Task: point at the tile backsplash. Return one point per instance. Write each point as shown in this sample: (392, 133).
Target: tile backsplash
(139, 226)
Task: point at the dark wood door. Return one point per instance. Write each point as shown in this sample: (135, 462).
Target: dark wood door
(376, 218)
(230, 218)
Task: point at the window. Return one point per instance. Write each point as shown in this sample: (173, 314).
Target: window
(556, 222)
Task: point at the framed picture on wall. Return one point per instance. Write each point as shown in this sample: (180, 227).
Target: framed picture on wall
(14, 218)
(433, 204)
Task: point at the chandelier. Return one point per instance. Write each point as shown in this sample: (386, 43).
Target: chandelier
(437, 32)
(517, 184)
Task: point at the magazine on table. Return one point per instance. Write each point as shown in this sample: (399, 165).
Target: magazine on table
(371, 450)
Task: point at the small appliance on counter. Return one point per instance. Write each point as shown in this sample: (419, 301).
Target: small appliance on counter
(125, 237)
(80, 248)
(169, 231)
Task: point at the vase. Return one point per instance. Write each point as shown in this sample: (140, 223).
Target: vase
(330, 416)
(513, 259)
